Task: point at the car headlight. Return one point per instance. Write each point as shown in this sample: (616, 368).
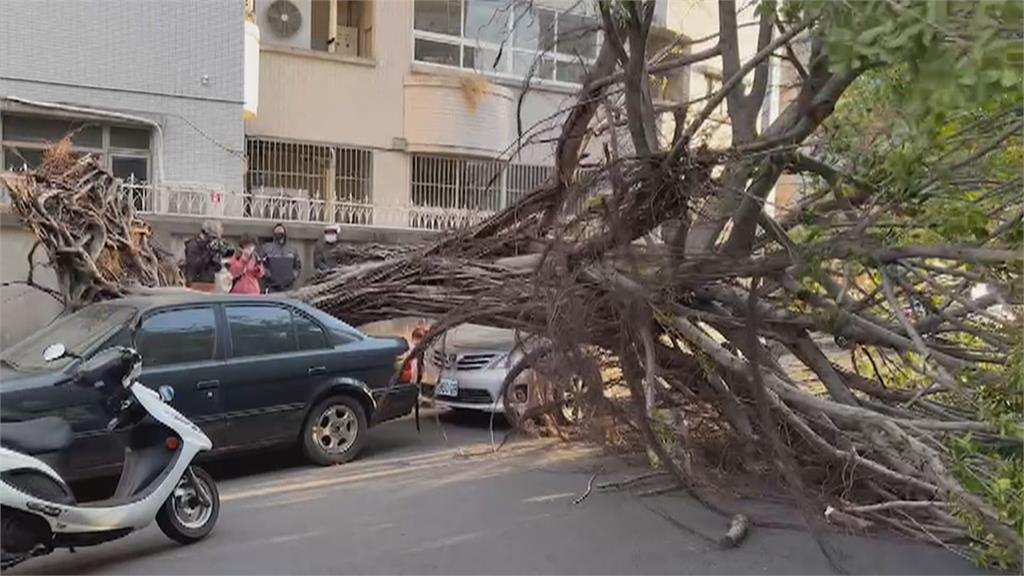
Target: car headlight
(506, 360)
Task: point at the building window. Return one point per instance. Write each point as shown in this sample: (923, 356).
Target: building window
(308, 182)
(712, 84)
(547, 44)
(352, 30)
(123, 150)
(449, 192)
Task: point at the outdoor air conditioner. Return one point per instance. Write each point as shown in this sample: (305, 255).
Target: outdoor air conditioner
(346, 41)
(284, 18)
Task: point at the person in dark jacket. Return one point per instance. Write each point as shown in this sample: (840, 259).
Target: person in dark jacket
(324, 256)
(282, 262)
(204, 255)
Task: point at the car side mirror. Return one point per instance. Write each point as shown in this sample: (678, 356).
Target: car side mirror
(54, 352)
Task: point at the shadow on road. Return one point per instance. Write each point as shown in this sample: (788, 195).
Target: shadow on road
(438, 429)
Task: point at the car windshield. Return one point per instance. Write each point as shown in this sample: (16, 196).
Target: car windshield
(78, 332)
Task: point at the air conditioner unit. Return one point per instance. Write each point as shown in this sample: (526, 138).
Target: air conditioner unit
(284, 18)
(346, 41)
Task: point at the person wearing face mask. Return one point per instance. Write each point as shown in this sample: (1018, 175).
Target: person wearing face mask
(282, 262)
(246, 268)
(325, 258)
(203, 256)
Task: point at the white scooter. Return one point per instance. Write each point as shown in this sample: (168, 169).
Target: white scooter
(38, 511)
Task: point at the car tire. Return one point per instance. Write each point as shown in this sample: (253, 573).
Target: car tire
(334, 431)
(175, 517)
(571, 412)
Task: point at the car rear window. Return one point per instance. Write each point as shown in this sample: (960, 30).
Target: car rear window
(341, 332)
(177, 337)
(310, 335)
(260, 330)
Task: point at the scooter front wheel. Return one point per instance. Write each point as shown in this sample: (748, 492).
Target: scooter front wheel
(191, 511)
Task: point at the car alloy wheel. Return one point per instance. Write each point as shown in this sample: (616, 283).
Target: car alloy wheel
(333, 430)
(336, 429)
(572, 411)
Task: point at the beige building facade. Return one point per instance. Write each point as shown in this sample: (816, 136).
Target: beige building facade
(393, 118)
(407, 113)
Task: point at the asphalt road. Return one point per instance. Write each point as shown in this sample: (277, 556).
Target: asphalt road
(438, 502)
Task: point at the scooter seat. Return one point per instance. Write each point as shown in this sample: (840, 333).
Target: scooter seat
(47, 434)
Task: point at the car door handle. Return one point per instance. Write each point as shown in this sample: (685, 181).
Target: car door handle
(317, 370)
(207, 384)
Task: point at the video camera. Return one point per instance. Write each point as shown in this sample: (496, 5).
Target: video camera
(220, 248)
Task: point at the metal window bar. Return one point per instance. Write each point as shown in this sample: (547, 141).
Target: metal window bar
(451, 192)
(308, 182)
(525, 178)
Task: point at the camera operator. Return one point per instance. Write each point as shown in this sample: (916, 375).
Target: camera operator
(204, 257)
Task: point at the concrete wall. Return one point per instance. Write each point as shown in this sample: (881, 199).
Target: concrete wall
(179, 63)
(23, 310)
(172, 232)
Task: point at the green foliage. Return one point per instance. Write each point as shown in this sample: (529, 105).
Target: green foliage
(1001, 399)
(955, 53)
(999, 480)
(942, 78)
(995, 472)
(933, 128)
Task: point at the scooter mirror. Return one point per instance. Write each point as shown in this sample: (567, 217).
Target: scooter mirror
(166, 393)
(54, 352)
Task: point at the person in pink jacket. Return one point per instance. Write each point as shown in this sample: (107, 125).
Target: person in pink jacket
(246, 268)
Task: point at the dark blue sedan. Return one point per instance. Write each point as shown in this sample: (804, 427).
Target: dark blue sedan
(253, 372)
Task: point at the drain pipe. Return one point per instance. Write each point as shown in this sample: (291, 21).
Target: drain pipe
(107, 114)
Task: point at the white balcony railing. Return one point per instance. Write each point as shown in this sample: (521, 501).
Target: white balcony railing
(432, 218)
(203, 201)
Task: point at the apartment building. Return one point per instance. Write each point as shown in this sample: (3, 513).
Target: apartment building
(408, 114)
(398, 114)
(155, 90)
(394, 118)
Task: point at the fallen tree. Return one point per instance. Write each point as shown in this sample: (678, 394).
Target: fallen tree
(844, 341)
(94, 242)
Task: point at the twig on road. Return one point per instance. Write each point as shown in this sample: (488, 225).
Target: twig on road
(590, 487)
(632, 480)
(660, 490)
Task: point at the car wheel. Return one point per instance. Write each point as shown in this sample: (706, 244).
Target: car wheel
(184, 517)
(572, 411)
(334, 431)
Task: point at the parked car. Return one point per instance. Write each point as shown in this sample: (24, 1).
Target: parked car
(464, 370)
(252, 372)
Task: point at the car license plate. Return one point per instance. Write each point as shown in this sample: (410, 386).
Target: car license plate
(447, 387)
